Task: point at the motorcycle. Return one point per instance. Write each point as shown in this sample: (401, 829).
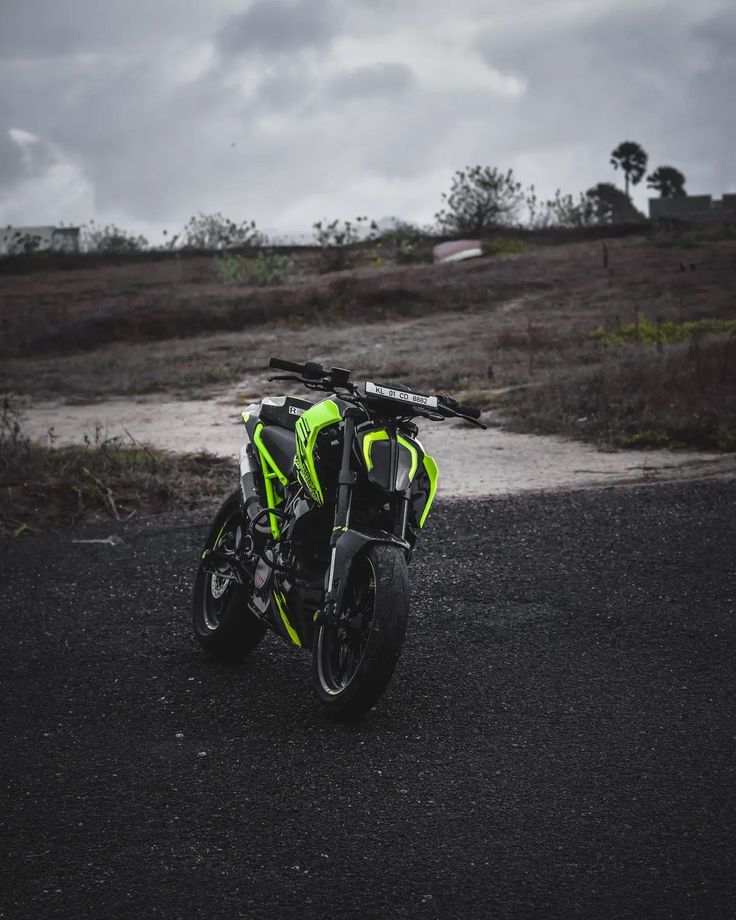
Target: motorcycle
(316, 541)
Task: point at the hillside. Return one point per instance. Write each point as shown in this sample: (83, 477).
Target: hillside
(616, 340)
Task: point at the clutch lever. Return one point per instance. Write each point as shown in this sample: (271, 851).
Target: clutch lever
(287, 377)
(305, 381)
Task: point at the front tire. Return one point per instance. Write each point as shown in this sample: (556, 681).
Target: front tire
(223, 624)
(353, 662)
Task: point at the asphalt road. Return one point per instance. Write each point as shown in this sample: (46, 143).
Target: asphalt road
(558, 741)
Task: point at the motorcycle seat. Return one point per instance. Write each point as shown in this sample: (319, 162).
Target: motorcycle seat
(281, 445)
(283, 410)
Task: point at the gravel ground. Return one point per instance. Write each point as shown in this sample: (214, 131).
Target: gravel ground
(559, 741)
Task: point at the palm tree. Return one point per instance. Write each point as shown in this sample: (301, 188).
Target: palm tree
(668, 181)
(632, 159)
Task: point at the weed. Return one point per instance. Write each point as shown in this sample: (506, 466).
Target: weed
(406, 244)
(505, 246)
(651, 439)
(46, 486)
(686, 398)
(229, 268)
(660, 332)
(214, 231)
(111, 239)
(336, 237)
(695, 238)
(268, 268)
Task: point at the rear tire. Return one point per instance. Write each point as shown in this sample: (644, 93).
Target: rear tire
(352, 663)
(223, 624)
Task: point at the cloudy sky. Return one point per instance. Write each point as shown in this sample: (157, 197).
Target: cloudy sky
(144, 112)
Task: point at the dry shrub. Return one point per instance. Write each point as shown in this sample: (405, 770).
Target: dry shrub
(46, 486)
(684, 397)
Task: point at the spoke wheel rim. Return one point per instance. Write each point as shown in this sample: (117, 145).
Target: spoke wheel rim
(217, 588)
(341, 649)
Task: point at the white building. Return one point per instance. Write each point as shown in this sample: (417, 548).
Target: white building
(18, 240)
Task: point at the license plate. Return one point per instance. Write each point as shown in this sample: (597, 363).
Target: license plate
(415, 399)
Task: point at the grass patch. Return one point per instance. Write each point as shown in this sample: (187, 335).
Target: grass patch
(685, 397)
(694, 238)
(505, 246)
(662, 332)
(43, 487)
(230, 268)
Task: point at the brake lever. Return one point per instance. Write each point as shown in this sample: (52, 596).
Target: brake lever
(473, 421)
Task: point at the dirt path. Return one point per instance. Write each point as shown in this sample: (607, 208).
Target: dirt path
(472, 462)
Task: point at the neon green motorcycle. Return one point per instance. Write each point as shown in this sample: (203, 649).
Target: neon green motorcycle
(315, 543)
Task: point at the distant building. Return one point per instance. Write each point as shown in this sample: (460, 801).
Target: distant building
(693, 207)
(17, 240)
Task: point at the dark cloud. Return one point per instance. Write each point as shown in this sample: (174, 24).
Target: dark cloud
(277, 28)
(623, 73)
(373, 80)
(713, 114)
(286, 108)
(11, 161)
(49, 28)
(17, 161)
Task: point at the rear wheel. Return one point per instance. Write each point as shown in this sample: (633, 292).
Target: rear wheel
(353, 661)
(223, 624)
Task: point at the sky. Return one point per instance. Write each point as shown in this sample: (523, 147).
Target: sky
(145, 112)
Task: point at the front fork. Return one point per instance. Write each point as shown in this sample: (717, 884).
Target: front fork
(345, 482)
(346, 543)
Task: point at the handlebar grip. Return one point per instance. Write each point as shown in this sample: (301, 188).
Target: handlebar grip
(282, 365)
(470, 411)
(313, 371)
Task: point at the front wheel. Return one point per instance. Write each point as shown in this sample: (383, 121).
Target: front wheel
(353, 662)
(223, 624)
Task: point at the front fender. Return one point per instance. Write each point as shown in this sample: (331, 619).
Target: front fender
(345, 548)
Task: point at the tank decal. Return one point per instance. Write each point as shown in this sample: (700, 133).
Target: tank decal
(308, 427)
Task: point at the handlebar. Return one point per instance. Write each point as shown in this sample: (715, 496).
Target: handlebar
(315, 376)
(459, 408)
(311, 372)
(470, 411)
(281, 364)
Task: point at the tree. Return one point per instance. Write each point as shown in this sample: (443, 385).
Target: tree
(213, 231)
(631, 158)
(609, 205)
(668, 181)
(22, 243)
(113, 239)
(560, 211)
(335, 237)
(481, 198)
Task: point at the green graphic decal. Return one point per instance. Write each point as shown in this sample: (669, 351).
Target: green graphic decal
(414, 456)
(382, 435)
(308, 427)
(433, 472)
(368, 441)
(281, 604)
